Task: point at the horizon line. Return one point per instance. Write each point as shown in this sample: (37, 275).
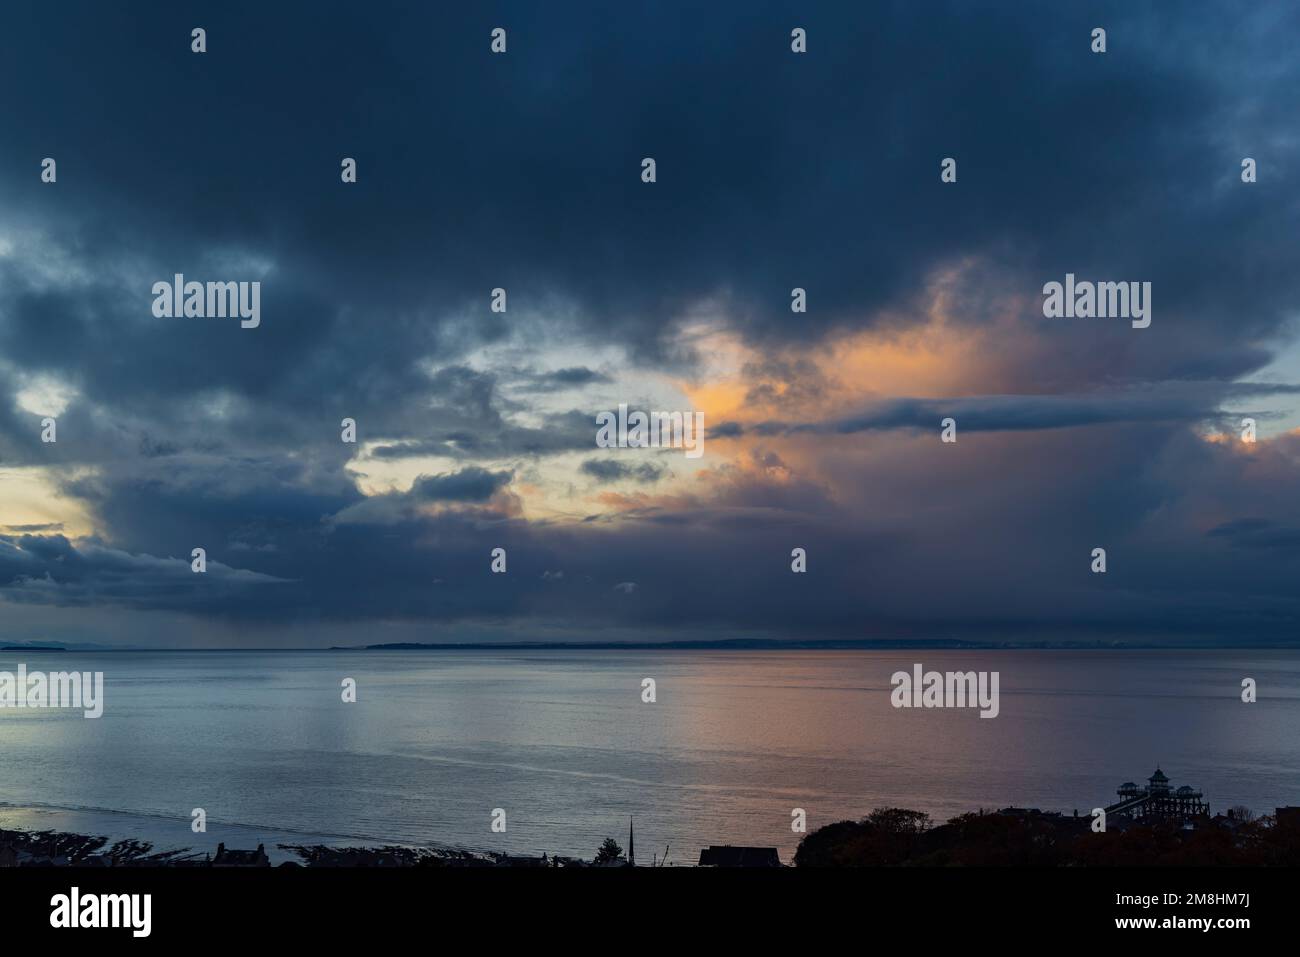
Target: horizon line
(739, 644)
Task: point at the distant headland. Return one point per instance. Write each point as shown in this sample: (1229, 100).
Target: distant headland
(805, 644)
(722, 644)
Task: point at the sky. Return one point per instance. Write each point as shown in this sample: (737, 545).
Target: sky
(774, 170)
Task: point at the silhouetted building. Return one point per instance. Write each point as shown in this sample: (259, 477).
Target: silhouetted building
(728, 856)
(1158, 801)
(233, 858)
(1288, 817)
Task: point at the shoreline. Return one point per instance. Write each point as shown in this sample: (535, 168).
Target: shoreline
(56, 848)
(116, 825)
(1185, 835)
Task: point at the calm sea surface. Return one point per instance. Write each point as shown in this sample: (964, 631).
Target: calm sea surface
(561, 740)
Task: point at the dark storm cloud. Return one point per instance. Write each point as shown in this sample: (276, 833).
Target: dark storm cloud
(493, 437)
(612, 470)
(169, 506)
(1003, 558)
(560, 379)
(467, 485)
(51, 570)
(522, 171)
(766, 182)
(1167, 402)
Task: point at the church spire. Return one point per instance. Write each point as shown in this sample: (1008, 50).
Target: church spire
(631, 845)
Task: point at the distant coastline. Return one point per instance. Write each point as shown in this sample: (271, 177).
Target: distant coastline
(723, 644)
(778, 644)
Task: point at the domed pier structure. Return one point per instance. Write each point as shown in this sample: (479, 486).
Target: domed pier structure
(1158, 801)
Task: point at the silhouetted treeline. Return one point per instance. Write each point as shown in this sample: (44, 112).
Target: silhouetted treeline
(1029, 838)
